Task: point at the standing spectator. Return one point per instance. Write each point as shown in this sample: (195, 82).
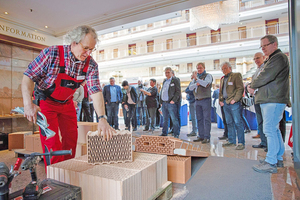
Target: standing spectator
(130, 104)
(112, 96)
(125, 114)
(259, 61)
(140, 106)
(201, 86)
(244, 120)
(231, 92)
(170, 95)
(151, 102)
(158, 115)
(86, 104)
(78, 96)
(215, 96)
(192, 109)
(273, 96)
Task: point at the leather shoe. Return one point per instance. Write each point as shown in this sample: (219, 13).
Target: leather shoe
(205, 141)
(191, 134)
(259, 146)
(163, 135)
(257, 136)
(146, 130)
(222, 138)
(247, 131)
(198, 140)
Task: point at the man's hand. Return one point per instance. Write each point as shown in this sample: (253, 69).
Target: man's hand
(75, 104)
(221, 103)
(250, 90)
(126, 107)
(105, 129)
(172, 102)
(198, 84)
(30, 112)
(232, 101)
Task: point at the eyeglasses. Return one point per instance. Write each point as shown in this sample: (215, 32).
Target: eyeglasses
(263, 46)
(256, 58)
(87, 48)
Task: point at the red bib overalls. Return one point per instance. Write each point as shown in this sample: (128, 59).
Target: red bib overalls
(60, 111)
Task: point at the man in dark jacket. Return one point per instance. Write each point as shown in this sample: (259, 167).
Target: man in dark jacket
(151, 102)
(272, 94)
(130, 105)
(170, 95)
(112, 96)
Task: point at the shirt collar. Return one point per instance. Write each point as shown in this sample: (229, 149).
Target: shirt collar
(226, 76)
(71, 55)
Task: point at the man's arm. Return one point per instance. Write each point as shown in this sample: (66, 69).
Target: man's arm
(30, 109)
(103, 127)
(207, 81)
(239, 85)
(193, 85)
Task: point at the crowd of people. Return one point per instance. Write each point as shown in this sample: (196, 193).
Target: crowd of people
(62, 72)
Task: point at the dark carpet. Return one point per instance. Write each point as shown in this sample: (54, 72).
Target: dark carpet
(227, 178)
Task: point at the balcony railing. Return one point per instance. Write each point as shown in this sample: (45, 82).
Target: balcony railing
(202, 40)
(184, 18)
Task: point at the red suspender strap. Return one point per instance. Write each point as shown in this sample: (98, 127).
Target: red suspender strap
(61, 56)
(87, 64)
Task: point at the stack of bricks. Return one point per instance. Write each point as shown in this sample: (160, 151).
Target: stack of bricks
(115, 150)
(136, 180)
(179, 167)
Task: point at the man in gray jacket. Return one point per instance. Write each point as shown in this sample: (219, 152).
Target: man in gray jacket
(272, 94)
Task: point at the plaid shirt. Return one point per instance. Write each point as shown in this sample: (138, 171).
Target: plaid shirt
(44, 69)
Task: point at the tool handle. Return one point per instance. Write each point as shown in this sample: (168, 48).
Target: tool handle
(18, 164)
(61, 153)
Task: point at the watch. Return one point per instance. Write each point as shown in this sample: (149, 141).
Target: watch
(102, 116)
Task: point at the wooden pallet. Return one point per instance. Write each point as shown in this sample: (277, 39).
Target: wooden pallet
(163, 193)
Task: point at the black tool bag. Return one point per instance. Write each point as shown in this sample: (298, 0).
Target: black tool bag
(3, 141)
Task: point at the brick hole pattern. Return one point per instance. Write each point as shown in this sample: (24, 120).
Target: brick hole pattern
(155, 144)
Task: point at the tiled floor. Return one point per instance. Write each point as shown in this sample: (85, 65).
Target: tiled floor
(285, 184)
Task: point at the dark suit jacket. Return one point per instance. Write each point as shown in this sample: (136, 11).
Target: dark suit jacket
(133, 96)
(106, 94)
(174, 91)
(234, 90)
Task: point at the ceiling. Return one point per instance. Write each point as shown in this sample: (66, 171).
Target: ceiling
(63, 15)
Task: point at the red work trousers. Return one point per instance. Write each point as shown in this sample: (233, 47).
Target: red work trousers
(60, 116)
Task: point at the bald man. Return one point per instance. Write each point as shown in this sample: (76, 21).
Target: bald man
(259, 61)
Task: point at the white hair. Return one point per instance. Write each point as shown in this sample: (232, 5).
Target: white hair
(78, 33)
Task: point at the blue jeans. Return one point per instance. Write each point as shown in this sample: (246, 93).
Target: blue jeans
(112, 114)
(78, 111)
(131, 116)
(272, 114)
(234, 122)
(259, 120)
(192, 109)
(244, 120)
(141, 115)
(124, 114)
(203, 112)
(170, 110)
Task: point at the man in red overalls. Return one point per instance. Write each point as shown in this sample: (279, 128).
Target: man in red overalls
(57, 72)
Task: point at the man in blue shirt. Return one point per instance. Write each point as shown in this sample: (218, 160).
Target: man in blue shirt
(112, 96)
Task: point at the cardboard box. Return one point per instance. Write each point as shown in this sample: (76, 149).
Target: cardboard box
(81, 149)
(179, 169)
(29, 141)
(37, 145)
(83, 129)
(17, 140)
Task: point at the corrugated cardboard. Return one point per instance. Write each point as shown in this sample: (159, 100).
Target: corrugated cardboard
(17, 140)
(83, 129)
(37, 145)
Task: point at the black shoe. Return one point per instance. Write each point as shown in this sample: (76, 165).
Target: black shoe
(170, 133)
(205, 141)
(135, 129)
(198, 140)
(191, 134)
(266, 149)
(117, 129)
(163, 135)
(222, 138)
(259, 146)
(146, 129)
(247, 131)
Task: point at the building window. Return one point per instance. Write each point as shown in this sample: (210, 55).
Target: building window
(215, 35)
(115, 54)
(187, 15)
(272, 27)
(150, 46)
(169, 44)
(150, 25)
(131, 49)
(189, 68)
(101, 55)
(152, 71)
(242, 32)
(216, 64)
(168, 21)
(191, 39)
(232, 61)
(242, 5)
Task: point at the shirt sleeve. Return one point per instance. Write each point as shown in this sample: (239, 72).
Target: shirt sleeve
(206, 81)
(92, 78)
